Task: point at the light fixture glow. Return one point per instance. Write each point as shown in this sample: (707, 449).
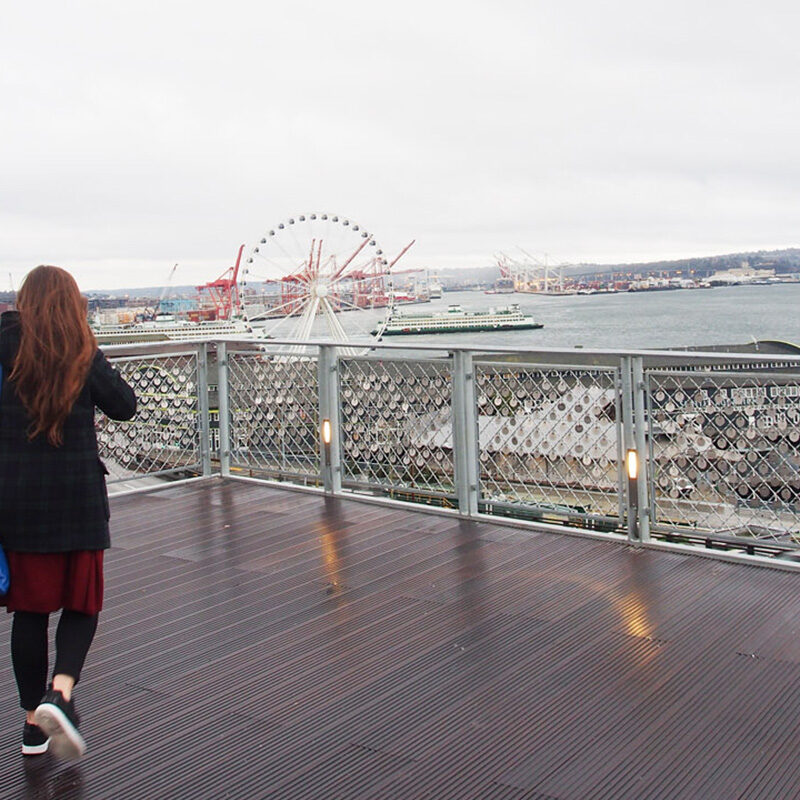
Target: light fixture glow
(326, 432)
(632, 464)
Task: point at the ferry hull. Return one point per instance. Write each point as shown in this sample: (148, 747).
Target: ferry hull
(412, 330)
(192, 333)
(129, 338)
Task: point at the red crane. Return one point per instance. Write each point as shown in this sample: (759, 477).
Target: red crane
(222, 294)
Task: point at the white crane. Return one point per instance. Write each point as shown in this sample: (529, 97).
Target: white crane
(163, 294)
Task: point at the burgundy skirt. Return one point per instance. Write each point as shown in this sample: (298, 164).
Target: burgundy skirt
(47, 582)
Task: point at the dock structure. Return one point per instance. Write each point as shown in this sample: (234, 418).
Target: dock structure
(263, 642)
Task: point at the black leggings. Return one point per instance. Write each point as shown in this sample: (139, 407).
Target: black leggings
(29, 650)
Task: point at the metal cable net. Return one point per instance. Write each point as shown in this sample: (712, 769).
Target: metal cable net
(396, 424)
(274, 413)
(549, 437)
(725, 452)
(164, 435)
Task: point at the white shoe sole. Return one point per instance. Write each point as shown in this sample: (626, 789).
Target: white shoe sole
(35, 749)
(65, 741)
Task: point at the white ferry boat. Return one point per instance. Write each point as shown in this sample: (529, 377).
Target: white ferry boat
(456, 320)
(165, 328)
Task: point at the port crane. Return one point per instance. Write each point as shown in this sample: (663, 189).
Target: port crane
(152, 313)
(164, 290)
(223, 293)
(531, 273)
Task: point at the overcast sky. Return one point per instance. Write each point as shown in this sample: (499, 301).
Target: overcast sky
(137, 135)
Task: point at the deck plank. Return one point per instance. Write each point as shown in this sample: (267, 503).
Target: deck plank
(259, 642)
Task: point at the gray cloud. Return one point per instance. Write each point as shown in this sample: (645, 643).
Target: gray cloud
(167, 131)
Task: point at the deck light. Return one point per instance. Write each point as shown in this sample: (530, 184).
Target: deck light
(326, 435)
(632, 464)
(632, 468)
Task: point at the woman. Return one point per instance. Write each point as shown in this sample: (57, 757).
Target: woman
(53, 498)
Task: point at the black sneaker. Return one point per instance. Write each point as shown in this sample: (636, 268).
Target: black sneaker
(59, 720)
(34, 740)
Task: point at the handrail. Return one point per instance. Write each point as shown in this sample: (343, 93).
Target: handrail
(689, 357)
(544, 432)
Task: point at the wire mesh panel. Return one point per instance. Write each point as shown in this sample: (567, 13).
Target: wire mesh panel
(396, 424)
(725, 452)
(549, 438)
(164, 436)
(274, 410)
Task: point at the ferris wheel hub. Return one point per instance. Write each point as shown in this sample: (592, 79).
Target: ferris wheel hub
(321, 290)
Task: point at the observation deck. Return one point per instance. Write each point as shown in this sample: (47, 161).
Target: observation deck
(284, 620)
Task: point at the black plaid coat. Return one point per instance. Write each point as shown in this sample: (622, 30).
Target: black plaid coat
(54, 499)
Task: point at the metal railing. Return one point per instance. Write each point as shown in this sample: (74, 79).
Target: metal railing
(539, 436)
(169, 436)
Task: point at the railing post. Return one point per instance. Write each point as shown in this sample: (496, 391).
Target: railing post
(620, 440)
(640, 439)
(203, 422)
(329, 429)
(223, 398)
(465, 438)
(628, 443)
(635, 441)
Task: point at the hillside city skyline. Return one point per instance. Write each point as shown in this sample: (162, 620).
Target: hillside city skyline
(783, 261)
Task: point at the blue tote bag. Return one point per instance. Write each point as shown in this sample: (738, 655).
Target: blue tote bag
(4, 576)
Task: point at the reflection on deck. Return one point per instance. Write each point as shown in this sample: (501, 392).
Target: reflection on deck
(267, 643)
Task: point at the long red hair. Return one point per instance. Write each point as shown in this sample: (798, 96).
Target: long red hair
(55, 352)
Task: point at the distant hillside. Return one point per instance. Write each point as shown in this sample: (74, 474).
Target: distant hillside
(782, 261)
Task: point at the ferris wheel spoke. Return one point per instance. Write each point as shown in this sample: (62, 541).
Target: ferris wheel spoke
(300, 247)
(294, 319)
(362, 262)
(359, 278)
(270, 322)
(356, 319)
(328, 268)
(296, 250)
(274, 310)
(339, 334)
(350, 259)
(277, 269)
(327, 229)
(344, 305)
(306, 321)
(337, 330)
(278, 325)
(294, 258)
(316, 259)
(291, 307)
(283, 262)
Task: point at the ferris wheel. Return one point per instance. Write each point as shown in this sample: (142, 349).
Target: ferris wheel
(316, 275)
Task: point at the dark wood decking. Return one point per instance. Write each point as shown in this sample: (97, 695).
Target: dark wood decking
(264, 643)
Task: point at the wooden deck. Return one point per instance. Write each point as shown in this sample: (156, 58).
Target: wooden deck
(267, 643)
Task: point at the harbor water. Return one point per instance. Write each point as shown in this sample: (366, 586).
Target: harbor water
(629, 320)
